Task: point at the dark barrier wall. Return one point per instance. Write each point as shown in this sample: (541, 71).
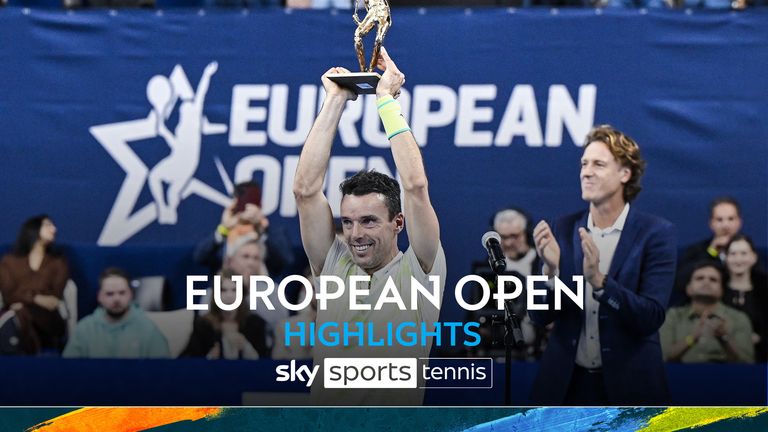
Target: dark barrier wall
(500, 101)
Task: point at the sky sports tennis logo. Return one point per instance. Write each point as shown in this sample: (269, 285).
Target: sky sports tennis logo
(391, 373)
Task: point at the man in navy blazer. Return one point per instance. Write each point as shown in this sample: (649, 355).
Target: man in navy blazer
(609, 352)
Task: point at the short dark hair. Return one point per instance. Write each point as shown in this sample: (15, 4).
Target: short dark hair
(366, 182)
(708, 263)
(625, 150)
(724, 200)
(114, 272)
(29, 234)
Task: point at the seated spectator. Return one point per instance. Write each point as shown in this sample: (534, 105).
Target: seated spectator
(522, 261)
(747, 288)
(221, 334)
(706, 330)
(117, 328)
(512, 226)
(244, 216)
(32, 281)
(307, 315)
(245, 258)
(724, 222)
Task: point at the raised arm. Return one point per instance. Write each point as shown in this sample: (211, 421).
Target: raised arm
(205, 81)
(421, 221)
(315, 217)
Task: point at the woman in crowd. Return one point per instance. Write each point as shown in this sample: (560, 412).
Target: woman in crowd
(747, 288)
(296, 350)
(32, 281)
(235, 334)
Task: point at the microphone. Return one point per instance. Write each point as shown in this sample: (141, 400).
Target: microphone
(492, 244)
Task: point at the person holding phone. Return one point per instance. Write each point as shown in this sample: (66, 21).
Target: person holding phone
(244, 216)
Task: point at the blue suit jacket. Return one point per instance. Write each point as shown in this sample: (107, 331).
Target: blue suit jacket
(632, 309)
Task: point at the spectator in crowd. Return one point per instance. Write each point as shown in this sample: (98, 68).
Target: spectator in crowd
(512, 226)
(746, 288)
(724, 222)
(706, 330)
(32, 281)
(245, 257)
(228, 334)
(117, 328)
(295, 350)
(244, 216)
(608, 352)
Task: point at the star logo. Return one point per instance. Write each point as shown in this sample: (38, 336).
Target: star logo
(172, 179)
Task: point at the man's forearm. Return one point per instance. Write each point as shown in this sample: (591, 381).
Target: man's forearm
(316, 153)
(424, 231)
(409, 163)
(405, 150)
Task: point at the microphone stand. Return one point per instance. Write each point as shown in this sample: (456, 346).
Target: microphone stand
(513, 337)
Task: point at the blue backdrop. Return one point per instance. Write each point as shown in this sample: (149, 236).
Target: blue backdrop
(500, 101)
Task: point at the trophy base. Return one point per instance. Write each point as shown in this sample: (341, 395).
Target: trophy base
(358, 82)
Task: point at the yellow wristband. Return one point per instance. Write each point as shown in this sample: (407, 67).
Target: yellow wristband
(221, 229)
(391, 116)
(713, 252)
(690, 341)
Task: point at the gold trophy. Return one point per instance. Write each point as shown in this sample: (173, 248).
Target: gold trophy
(365, 81)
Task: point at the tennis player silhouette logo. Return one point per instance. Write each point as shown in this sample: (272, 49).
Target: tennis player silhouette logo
(178, 168)
(172, 179)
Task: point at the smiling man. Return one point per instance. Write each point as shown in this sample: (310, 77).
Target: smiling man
(608, 353)
(371, 219)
